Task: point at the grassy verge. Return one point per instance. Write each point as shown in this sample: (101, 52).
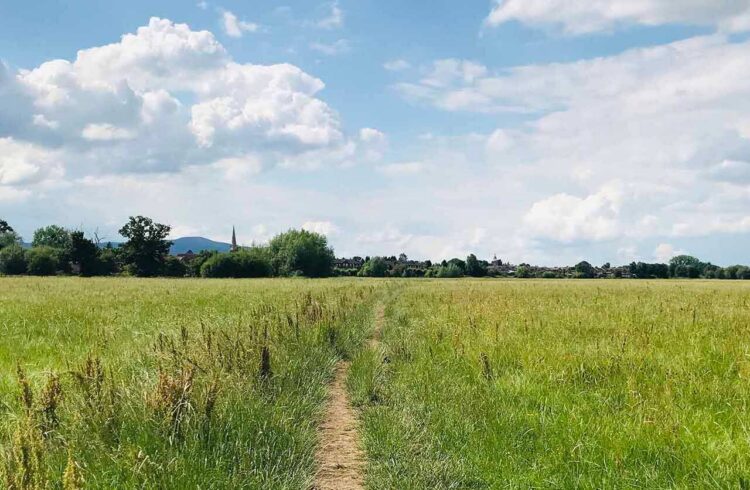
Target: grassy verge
(118, 383)
(559, 385)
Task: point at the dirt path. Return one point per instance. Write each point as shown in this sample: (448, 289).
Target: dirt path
(340, 458)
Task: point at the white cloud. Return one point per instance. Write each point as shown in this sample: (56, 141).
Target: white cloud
(586, 16)
(234, 27)
(665, 251)
(22, 164)
(167, 97)
(332, 49)
(334, 19)
(397, 65)
(105, 132)
(323, 227)
(567, 218)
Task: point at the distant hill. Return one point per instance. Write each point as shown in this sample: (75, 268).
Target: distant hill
(196, 244)
(179, 245)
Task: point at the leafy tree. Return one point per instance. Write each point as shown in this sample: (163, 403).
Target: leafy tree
(12, 260)
(42, 261)
(523, 272)
(686, 266)
(253, 262)
(301, 252)
(52, 236)
(108, 261)
(84, 254)
(451, 270)
(147, 246)
(8, 236)
(475, 267)
(584, 270)
(173, 267)
(5, 227)
(374, 267)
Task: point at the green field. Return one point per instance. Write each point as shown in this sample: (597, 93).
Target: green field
(475, 383)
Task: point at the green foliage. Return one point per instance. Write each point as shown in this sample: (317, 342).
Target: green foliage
(374, 267)
(9, 238)
(301, 253)
(584, 270)
(52, 236)
(147, 246)
(253, 262)
(452, 270)
(42, 261)
(523, 272)
(173, 267)
(475, 267)
(5, 227)
(84, 254)
(12, 260)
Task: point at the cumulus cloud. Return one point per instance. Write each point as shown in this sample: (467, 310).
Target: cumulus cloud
(167, 97)
(234, 27)
(586, 16)
(567, 218)
(22, 163)
(665, 251)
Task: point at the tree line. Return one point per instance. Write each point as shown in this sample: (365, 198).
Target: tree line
(145, 253)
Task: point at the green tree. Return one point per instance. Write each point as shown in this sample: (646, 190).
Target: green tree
(247, 263)
(523, 272)
(42, 261)
(52, 236)
(8, 236)
(475, 267)
(449, 271)
(173, 267)
(12, 260)
(584, 270)
(374, 267)
(301, 252)
(146, 249)
(83, 252)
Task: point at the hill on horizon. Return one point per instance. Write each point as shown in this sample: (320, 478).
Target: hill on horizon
(197, 244)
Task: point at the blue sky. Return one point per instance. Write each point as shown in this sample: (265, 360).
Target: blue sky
(546, 131)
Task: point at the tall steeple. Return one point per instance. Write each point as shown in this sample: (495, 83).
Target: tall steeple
(234, 241)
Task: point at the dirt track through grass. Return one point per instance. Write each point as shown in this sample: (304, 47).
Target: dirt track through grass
(340, 458)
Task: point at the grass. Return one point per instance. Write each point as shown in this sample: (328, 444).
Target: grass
(121, 383)
(128, 383)
(564, 384)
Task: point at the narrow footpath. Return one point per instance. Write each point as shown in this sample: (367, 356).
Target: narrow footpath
(339, 457)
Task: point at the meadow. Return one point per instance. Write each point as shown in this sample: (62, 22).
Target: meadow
(158, 383)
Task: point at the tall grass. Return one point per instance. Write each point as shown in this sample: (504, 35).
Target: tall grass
(507, 384)
(113, 383)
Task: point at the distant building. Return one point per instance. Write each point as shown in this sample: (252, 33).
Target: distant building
(234, 247)
(186, 257)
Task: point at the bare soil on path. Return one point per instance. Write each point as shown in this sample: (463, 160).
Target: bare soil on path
(339, 457)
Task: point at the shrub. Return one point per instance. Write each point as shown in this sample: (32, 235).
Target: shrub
(42, 261)
(374, 267)
(449, 271)
(173, 267)
(12, 260)
(301, 252)
(246, 263)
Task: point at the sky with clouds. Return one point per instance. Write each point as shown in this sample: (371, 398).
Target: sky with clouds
(543, 131)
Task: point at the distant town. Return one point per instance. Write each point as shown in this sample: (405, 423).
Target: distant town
(147, 252)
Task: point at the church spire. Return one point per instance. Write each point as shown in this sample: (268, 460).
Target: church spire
(234, 241)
